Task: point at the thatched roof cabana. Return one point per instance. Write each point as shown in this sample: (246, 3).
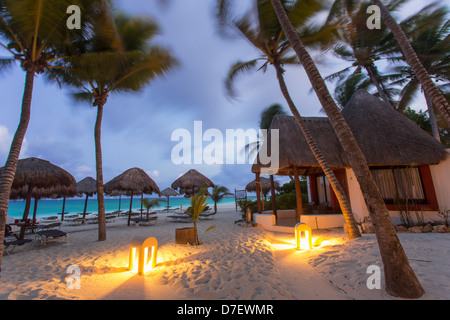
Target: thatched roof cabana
(191, 182)
(41, 174)
(169, 192)
(132, 182)
(87, 186)
(265, 185)
(385, 136)
(37, 178)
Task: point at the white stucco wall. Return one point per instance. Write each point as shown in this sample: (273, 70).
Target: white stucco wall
(441, 178)
(357, 202)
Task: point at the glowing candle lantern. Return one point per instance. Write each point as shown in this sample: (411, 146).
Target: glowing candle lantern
(134, 248)
(151, 244)
(140, 257)
(303, 237)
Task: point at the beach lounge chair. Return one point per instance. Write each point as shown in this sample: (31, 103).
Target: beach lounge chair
(49, 219)
(48, 226)
(180, 217)
(46, 236)
(13, 242)
(75, 221)
(206, 215)
(144, 221)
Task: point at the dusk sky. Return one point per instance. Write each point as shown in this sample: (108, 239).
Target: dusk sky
(137, 128)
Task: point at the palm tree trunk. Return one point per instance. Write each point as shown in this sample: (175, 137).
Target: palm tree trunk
(400, 279)
(375, 78)
(131, 208)
(411, 57)
(352, 227)
(85, 207)
(9, 170)
(433, 120)
(99, 167)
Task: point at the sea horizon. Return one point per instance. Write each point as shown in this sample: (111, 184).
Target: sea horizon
(51, 207)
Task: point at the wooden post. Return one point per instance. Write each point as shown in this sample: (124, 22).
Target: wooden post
(298, 194)
(258, 192)
(131, 207)
(274, 200)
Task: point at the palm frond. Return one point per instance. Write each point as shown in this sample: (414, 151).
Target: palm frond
(237, 69)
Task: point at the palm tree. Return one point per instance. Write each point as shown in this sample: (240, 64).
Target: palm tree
(268, 37)
(197, 206)
(346, 87)
(35, 34)
(114, 62)
(217, 194)
(431, 90)
(400, 279)
(360, 45)
(268, 114)
(148, 204)
(428, 31)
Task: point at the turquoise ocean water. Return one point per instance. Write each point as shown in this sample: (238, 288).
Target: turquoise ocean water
(46, 208)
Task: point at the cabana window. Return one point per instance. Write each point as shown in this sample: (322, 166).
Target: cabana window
(323, 190)
(400, 184)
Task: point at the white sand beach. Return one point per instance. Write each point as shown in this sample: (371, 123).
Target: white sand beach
(233, 263)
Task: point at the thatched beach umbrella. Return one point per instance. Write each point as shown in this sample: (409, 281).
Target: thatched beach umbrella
(191, 182)
(169, 192)
(40, 178)
(132, 182)
(265, 185)
(87, 186)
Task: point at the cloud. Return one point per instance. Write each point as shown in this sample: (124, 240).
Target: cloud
(84, 171)
(5, 144)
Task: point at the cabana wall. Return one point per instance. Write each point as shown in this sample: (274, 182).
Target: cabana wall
(396, 149)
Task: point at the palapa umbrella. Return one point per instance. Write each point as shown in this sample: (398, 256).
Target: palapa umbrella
(39, 178)
(265, 185)
(191, 182)
(169, 192)
(87, 186)
(132, 182)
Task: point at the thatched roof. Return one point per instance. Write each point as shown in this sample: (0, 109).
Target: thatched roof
(45, 178)
(265, 184)
(191, 182)
(385, 136)
(169, 192)
(87, 186)
(133, 181)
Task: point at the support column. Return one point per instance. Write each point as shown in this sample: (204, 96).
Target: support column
(258, 192)
(298, 194)
(274, 200)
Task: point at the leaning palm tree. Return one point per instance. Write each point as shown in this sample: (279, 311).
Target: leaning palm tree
(430, 88)
(217, 194)
(400, 279)
(268, 37)
(359, 45)
(428, 30)
(35, 34)
(115, 62)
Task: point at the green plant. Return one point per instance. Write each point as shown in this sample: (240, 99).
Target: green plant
(197, 206)
(148, 204)
(248, 204)
(217, 194)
